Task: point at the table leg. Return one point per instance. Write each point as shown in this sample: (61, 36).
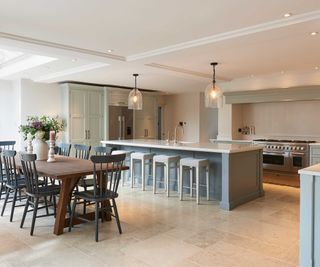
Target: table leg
(67, 186)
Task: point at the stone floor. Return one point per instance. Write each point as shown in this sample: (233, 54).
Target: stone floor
(158, 231)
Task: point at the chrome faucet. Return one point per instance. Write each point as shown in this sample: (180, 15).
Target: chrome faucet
(180, 125)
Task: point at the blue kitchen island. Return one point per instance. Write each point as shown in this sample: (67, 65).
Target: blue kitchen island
(235, 169)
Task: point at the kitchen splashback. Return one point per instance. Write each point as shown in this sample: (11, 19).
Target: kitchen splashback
(290, 120)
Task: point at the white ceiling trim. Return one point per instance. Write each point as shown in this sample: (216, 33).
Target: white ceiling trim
(185, 71)
(51, 76)
(29, 40)
(296, 19)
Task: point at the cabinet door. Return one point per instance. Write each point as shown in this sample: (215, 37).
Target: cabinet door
(77, 117)
(94, 117)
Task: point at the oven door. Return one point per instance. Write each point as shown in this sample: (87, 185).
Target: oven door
(298, 161)
(278, 161)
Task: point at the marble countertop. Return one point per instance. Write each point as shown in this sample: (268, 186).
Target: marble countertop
(312, 170)
(231, 141)
(314, 144)
(188, 146)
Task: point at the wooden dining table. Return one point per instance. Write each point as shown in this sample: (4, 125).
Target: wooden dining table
(68, 170)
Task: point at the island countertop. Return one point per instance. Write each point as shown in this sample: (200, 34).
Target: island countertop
(187, 146)
(311, 170)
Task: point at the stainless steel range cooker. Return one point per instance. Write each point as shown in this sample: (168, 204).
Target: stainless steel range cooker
(284, 156)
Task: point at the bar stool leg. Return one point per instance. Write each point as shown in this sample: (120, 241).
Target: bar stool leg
(198, 185)
(154, 177)
(132, 173)
(167, 177)
(178, 176)
(208, 183)
(122, 178)
(191, 182)
(181, 182)
(142, 174)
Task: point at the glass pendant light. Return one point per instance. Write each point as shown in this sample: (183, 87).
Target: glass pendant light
(212, 92)
(135, 96)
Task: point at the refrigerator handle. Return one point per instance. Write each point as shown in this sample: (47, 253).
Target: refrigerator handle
(120, 127)
(123, 127)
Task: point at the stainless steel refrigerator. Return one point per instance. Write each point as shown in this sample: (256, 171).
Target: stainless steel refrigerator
(120, 123)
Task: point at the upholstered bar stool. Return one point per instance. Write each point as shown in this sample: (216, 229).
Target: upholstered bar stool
(198, 164)
(146, 160)
(124, 174)
(168, 162)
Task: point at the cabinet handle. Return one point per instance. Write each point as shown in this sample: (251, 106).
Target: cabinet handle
(88, 134)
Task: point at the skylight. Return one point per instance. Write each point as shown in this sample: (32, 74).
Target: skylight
(12, 62)
(6, 55)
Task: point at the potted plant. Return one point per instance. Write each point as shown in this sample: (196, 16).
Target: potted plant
(38, 129)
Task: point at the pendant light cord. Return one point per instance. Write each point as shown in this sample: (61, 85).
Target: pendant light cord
(213, 64)
(135, 83)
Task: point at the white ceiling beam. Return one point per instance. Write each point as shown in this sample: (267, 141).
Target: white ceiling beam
(271, 25)
(51, 76)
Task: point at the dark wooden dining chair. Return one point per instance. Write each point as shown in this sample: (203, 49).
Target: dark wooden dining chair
(64, 149)
(82, 151)
(103, 150)
(3, 178)
(36, 190)
(14, 181)
(7, 145)
(100, 194)
(4, 145)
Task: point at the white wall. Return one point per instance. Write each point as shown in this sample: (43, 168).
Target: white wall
(208, 121)
(23, 98)
(39, 99)
(201, 123)
(9, 111)
(183, 107)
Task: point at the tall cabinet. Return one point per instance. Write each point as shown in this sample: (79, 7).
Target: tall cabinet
(84, 113)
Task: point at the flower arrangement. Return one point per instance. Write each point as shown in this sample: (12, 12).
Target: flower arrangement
(40, 127)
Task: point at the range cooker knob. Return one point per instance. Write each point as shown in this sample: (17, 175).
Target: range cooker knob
(302, 148)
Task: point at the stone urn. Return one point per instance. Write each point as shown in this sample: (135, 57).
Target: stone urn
(40, 147)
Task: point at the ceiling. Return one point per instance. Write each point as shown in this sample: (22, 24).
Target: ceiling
(169, 43)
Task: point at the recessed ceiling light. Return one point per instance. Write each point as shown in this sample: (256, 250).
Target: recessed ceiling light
(314, 33)
(110, 50)
(282, 72)
(316, 68)
(251, 75)
(74, 60)
(287, 15)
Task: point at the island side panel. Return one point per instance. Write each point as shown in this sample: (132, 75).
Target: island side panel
(241, 178)
(306, 220)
